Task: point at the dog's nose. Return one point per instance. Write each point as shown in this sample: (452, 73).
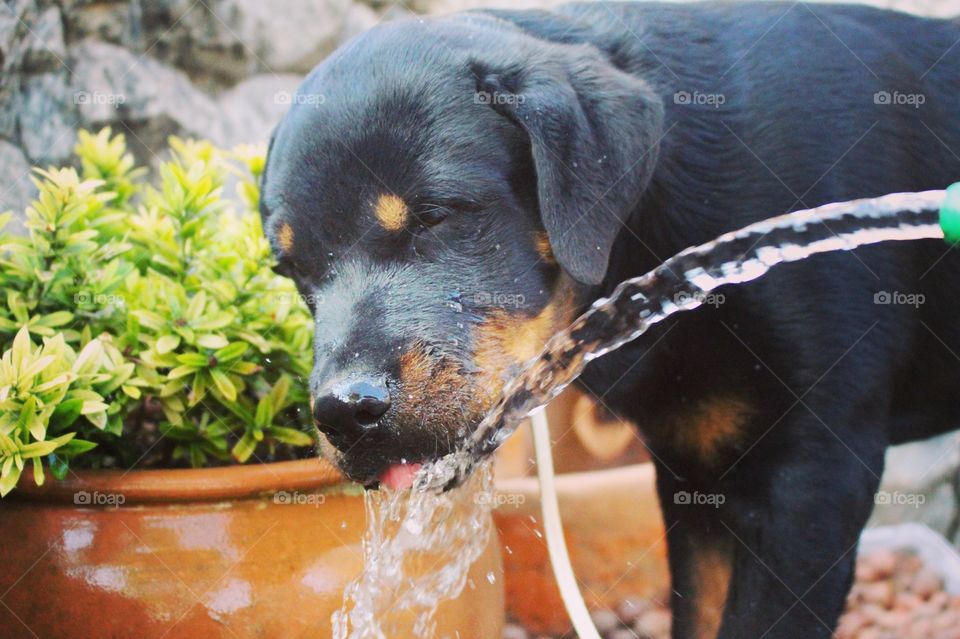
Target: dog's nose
(352, 408)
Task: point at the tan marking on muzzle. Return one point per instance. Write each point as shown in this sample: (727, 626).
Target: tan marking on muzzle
(285, 237)
(506, 341)
(435, 389)
(442, 394)
(391, 212)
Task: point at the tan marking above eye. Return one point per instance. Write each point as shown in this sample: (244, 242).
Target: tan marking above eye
(391, 212)
(285, 237)
(542, 244)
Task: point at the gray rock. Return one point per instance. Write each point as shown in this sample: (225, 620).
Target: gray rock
(201, 38)
(46, 117)
(44, 47)
(9, 90)
(8, 29)
(16, 17)
(220, 42)
(293, 39)
(113, 22)
(450, 6)
(148, 100)
(934, 8)
(17, 190)
(250, 110)
(919, 484)
(359, 18)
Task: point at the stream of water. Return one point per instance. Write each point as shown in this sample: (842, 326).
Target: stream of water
(402, 524)
(417, 550)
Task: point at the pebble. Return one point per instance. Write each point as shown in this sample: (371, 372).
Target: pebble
(513, 631)
(654, 623)
(630, 609)
(895, 596)
(606, 621)
(926, 583)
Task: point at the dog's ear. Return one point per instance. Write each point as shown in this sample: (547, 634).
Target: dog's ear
(594, 133)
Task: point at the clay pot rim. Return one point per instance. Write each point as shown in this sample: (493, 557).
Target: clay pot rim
(586, 482)
(180, 485)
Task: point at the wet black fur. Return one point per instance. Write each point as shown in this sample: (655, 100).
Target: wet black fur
(831, 377)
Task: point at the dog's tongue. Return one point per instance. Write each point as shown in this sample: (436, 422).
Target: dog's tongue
(399, 476)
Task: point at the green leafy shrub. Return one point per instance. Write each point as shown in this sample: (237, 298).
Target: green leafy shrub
(143, 325)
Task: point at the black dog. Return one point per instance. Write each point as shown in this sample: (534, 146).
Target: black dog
(449, 192)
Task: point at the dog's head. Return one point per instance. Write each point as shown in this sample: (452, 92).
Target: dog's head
(443, 193)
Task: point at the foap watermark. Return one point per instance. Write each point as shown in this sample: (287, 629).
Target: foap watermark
(897, 98)
(696, 98)
(301, 99)
(896, 298)
(896, 498)
(97, 498)
(498, 298)
(99, 97)
(310, 300)
(696, 498)
(701, 298)
(98, 299)
(297, 498)
(499, 500)
(497, 98)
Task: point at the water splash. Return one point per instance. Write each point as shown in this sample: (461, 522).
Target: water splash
(682, 283)
(417, 550)
(407, 528)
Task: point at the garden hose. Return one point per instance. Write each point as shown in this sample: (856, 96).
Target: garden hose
(550, 508)
(950, 215)
(553, 530)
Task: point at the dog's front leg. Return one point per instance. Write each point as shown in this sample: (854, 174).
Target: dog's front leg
(701, 556)
(774, 541)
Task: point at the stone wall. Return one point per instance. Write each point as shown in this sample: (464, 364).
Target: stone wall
(221, 69)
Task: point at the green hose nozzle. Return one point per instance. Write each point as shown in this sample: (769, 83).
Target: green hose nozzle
(950, 215)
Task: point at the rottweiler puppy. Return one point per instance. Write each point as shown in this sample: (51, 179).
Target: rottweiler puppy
(449, 192)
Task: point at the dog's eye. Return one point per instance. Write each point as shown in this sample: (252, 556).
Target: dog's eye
(431, 216)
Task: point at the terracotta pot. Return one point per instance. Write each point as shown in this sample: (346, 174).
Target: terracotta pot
(585, 437)
(614, 532)
(243, 551)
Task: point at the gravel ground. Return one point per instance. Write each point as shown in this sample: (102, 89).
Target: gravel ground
(894, 596)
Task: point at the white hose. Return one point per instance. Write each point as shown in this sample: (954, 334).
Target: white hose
(553, 527)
